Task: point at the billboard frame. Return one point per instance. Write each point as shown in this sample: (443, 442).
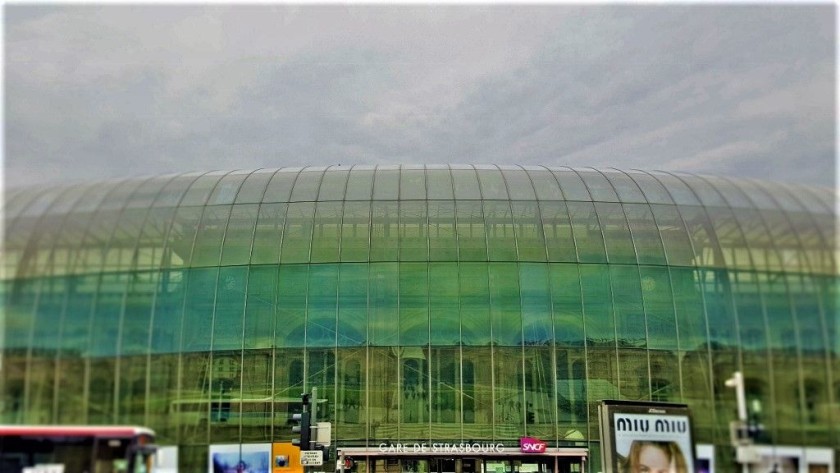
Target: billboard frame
(670, 429)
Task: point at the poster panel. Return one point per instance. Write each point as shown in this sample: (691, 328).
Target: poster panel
(285, 458)
(646, 437)
(240, 458)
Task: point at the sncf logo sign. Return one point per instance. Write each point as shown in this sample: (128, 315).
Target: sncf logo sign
(531, 445)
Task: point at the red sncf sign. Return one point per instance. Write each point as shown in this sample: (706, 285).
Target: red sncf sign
(531, 445)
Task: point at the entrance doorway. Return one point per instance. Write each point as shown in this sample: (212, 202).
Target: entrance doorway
(522, 464)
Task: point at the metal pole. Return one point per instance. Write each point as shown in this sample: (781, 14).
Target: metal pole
(737, 382)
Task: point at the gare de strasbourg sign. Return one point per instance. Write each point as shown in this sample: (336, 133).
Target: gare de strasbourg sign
(526, 445)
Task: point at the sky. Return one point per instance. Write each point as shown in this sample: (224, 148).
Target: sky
(102, 91)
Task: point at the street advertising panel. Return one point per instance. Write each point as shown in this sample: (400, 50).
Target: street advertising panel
(642, 437)
(286, 458)
(240, 458)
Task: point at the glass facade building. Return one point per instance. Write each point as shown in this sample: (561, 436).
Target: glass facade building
(426, 303)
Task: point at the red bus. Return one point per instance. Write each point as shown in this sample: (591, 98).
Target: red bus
(76, 449)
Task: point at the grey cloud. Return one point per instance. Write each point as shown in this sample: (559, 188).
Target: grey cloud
(110, 91)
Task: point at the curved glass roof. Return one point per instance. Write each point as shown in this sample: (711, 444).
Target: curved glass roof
(418, 213)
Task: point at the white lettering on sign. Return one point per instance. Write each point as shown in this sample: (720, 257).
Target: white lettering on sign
(441, 448)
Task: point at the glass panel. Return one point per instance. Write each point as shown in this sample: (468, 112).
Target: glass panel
(654, 192)
(352, 305)
(445, 399)
(475, 304)
(571, 184)
(414, 304)
(333, 184)
(224, 377)
(384, 236)
(439, 182)
(659, 310)
(645, 234)
(569, 338)
(208, 242)
(322, 306)
(508, 392)
(166, 332)
(627, 300)
(477, 393)
(587, 232)
(529, 231)
(414, 385)
(383, 300)
(675, 240)
(383, 393)
(413, 231)
(254, 187)
(74, 340)
(44, 338)
(443, 304)
(200, 190)
(199, 309)
(492, 185)
(785, 240)
(472, 245)
(539, 392)
(536, 311)
(412, 184)
(386, 186)
(707, 249)
(716, 288)
(133, 347)
(268, 234)
(280, 187)
(173, 192)
(257, 358)
(306, 186)
(625, 187)
(465, 183)
(505, 306)
(501, 241)
(558, 231)
(227, 188)
(545, 185)
(326, 234)
(239, 235)
(351, 406)
(602, 382)
(677, 189)
(355, 231)
(519, 185)
(291, 308)
(599, 187)
(297, 234)
(443, 243)
(359, 185)
(617, 236)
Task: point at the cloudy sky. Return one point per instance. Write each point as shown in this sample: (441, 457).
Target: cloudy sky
(114, 90)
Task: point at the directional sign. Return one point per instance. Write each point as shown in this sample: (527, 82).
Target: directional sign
(311, 457)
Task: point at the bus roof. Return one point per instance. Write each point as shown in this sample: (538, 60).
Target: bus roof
(74, 430)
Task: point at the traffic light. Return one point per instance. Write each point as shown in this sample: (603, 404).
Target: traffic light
(303, 426)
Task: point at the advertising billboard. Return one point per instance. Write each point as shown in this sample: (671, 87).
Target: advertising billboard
(646, 437)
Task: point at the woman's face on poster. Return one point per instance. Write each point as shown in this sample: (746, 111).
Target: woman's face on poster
(653, 459)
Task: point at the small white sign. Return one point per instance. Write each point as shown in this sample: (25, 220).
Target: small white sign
(45, 468)
(311, 457)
